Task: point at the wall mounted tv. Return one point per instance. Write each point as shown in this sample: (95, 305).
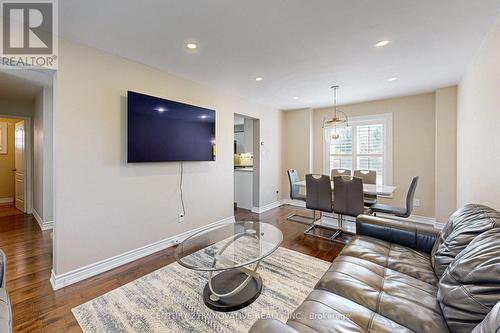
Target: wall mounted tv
(163, 130)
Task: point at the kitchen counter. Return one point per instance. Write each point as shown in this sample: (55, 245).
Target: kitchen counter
(244, 169)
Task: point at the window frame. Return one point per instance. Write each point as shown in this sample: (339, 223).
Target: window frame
(354, 122)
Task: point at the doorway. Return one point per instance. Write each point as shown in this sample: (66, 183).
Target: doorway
(15, 166)
(246, 162)
(26, 105)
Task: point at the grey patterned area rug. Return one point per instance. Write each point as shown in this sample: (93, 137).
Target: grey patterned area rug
(170, 299)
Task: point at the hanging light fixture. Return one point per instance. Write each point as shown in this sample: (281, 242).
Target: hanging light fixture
(339, 117)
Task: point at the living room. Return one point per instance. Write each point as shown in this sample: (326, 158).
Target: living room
(149, 237)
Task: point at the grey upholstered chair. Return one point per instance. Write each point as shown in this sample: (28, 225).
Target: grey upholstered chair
(399, 211)
(368, 177)
(293, 177)
(340, 172)
(349, 199)
(318, 198)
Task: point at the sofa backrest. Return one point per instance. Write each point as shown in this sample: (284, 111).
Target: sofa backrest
(462, 227)
(470, 286)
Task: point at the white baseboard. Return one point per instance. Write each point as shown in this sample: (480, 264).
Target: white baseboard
(63, 280)
(413, 218)
(44, 225)
(6, 201)
(265, 208)
(298, 203)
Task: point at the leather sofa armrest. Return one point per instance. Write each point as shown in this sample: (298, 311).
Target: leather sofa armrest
(410, 234)
(271, 326)
(5, 312)
(3, 269)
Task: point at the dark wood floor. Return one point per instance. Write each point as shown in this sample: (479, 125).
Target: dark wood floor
(37, 308)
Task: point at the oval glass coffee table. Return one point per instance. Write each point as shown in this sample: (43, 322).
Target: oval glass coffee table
(228, 250)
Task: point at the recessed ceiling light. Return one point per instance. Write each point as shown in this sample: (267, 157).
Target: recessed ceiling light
(295, 97)
(259, 78)
(391, 79)
(382, 43)
(191, 46)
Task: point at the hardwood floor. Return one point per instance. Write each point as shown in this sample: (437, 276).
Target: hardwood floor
(9, 210)
(37, 308)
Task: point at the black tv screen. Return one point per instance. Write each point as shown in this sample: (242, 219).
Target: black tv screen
(163, 130)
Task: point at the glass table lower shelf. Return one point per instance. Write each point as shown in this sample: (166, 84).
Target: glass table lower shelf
(231, 254)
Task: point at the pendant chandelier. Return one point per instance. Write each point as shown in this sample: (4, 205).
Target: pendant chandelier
(339, 117)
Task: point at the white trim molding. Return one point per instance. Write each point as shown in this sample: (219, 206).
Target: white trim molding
(267, 207)
(79, 274)
(44, 225)
(413, 218)
(6, 201)
(297, 203)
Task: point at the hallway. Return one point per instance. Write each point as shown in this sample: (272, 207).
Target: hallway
(9, 210)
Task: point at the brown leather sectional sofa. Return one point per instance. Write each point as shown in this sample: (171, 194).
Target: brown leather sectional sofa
(404, 277)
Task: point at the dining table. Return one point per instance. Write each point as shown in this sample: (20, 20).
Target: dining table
(374, 189)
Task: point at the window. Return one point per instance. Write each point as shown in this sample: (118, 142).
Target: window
(365, 144)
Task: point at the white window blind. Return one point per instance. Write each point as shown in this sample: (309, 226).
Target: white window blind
(366, 144)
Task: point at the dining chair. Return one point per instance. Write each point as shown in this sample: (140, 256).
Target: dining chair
(318, 198)
(340, 172)
(293, 177)
(349, 199)
(368, 177)
(399, 211)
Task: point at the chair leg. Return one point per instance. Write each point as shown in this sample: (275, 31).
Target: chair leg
(312, 225)
(339, 231)
(294, 216)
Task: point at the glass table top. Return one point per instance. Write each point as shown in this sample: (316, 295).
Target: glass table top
(231, 245)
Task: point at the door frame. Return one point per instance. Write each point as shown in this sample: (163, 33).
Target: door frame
(28, 155)
(256, 160)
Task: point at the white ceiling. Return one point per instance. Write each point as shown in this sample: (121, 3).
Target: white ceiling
(299, 47)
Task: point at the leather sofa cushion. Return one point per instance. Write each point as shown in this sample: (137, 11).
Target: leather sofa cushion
(470, 287)
(325, 312)
(491, 323)
(396, 257)
(396, 296)
(462, 227)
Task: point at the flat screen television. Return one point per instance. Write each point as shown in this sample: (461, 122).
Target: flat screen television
(162, 130)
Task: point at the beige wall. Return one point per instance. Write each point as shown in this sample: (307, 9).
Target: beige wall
(446, 153)
(38, 155)
(478, 149)
(42, 156)
(298, 144)
(104, 206)
(7, 163)
(413, 144)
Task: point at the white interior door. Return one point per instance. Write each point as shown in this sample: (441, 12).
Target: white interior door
(19, 142)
